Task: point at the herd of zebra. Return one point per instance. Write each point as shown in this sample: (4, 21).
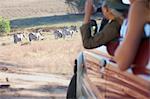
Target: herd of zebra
(64, 32)
(18, 37)
(34, 36)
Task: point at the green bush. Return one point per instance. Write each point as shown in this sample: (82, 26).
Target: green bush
(4, 25)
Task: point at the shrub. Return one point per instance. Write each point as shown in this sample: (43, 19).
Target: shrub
(4, 26)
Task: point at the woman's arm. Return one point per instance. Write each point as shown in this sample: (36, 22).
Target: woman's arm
(88, 11)
(126, 52)
(107, 34)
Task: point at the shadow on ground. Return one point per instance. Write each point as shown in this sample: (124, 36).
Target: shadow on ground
(48, 20)
(30, 22)
(43, 92)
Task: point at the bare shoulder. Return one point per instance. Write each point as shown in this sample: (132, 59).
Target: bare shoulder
(141, 8)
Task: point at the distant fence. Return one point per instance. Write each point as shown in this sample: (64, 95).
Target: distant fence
(28, 22)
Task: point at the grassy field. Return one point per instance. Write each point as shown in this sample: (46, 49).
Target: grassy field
(40, 70)
(51, 52)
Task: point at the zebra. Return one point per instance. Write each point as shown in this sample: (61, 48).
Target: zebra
(35, 36)
(74, 28)
(67, 32)
(58, 34)
(18, 37)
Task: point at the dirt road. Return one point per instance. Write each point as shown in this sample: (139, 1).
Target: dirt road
(33, 86)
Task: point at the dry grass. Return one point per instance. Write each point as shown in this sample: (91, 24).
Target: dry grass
(40, 70)
(50, 55)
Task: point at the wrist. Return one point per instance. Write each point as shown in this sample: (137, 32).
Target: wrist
(86, 19)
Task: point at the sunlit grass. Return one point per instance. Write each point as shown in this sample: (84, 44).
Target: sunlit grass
(58, 25)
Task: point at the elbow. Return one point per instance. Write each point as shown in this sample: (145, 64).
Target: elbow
(122, 67)
(86, 46)
(89, 45)
(122, 64)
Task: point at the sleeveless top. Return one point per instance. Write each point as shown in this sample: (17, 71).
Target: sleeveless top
(143, 54)
(124, 29)
(147, 30)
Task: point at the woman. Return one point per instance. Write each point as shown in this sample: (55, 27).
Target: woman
(139, 16)
(110, 32)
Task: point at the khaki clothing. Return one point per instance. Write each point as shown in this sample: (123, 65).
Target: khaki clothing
(109, 33)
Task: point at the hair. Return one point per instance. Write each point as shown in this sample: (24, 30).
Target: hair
(115, 12)
(148, 4)
(104, 4)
